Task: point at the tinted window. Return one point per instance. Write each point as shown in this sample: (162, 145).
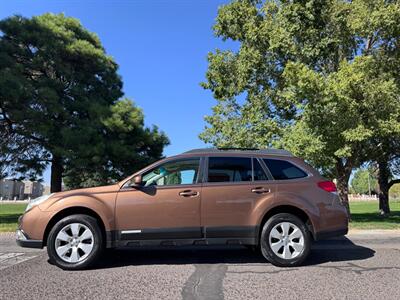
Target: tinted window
(259, 173)
(281, 169)
(229, 169)
(172, 173)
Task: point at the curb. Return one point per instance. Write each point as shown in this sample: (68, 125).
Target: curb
(374, 231)
(375, 234)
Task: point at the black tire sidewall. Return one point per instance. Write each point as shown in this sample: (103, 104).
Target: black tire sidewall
(88, 221)
(266, 249)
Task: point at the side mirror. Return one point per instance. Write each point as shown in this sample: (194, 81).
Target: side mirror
(136, 181)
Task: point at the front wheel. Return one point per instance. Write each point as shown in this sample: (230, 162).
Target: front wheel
(75, 242)
(285, 240)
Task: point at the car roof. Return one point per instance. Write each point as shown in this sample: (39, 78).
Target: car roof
(251, 151)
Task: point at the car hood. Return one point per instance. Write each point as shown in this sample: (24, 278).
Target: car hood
(79, 192)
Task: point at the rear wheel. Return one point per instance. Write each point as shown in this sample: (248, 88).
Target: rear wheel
(285, 240)
(75, 242)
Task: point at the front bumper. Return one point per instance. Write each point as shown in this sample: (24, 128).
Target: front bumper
(23, 240)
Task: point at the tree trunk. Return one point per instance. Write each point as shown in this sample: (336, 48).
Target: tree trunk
(343, 191)
(343, 175)
(56, 174)
(383, 187)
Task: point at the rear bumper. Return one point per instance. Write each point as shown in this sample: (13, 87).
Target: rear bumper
(322, 235)
(23, 240)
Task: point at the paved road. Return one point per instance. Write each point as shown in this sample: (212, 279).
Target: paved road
(362, 267)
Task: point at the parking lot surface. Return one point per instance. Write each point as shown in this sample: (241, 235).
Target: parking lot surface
(361, 266)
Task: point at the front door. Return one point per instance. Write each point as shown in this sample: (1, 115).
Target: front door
(166, 206)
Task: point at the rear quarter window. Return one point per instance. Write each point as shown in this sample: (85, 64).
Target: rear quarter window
(283, 170)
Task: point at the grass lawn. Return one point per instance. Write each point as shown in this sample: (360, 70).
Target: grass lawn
(9, 213)
(364, 216)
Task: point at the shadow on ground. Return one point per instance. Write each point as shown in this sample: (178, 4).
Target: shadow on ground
(338, 250)
(324, 251)
(9, 218)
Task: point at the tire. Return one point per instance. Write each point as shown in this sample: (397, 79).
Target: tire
(75, 242)
(285, 240)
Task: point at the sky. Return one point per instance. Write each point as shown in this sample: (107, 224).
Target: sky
(161, 48)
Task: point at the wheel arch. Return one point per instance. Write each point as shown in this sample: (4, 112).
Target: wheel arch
(74, 210)
(290, 209)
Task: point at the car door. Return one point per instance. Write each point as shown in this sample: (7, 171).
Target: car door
(165, 206)
(232, 190)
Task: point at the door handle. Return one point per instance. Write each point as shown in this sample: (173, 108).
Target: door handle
(260, 190)
(188, 193)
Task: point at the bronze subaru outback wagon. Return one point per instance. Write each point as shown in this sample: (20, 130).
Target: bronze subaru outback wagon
(264, 198)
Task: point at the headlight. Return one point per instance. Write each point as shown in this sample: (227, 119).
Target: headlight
(37, 201)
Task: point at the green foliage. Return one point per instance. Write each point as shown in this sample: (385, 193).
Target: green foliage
(59, 94)
(394, 191)
(363, 181)
(343, 110)
(129, 146)
(319, 78)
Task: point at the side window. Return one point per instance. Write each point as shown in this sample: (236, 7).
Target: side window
(229, 169)
(281, 169)
(183, 171)
(259, 173)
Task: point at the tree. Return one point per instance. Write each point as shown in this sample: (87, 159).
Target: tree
(387, 156)
(352, 90)
(308, 76)
(364, 181)
(17, 158)
(130, 146)
(57, 88)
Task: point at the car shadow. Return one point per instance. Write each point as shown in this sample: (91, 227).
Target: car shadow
(322, 252)
(337, 250)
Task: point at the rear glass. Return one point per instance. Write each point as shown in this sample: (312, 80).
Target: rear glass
(281, 169)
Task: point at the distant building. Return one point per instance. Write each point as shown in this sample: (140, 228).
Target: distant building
(11, 189)
(33, 189)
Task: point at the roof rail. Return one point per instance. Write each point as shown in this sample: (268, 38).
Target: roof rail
(234, 148)
(270, 151)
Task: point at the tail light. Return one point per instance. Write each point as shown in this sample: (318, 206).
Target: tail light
(327, 186)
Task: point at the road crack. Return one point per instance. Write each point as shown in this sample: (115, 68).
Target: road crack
(262, 272)
(354, 268)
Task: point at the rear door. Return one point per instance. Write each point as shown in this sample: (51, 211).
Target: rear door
(232, 189)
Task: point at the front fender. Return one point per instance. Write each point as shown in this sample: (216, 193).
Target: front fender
(104, 208)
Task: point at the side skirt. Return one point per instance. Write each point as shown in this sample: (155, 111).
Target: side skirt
(227, 235)
(186, 242)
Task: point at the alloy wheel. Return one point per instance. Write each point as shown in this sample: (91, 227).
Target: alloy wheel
(286, 240)
(74, 242)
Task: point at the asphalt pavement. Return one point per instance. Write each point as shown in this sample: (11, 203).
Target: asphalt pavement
(365, 265)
